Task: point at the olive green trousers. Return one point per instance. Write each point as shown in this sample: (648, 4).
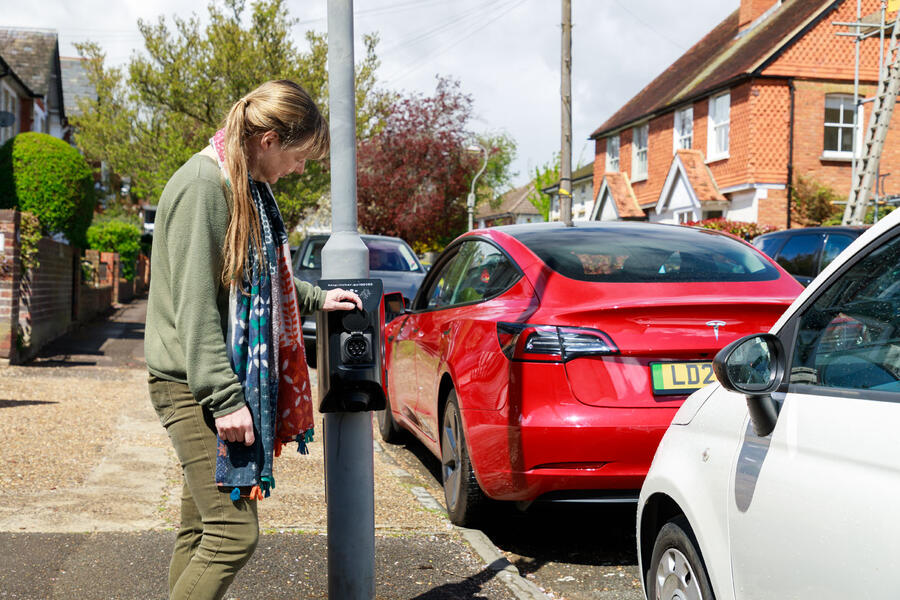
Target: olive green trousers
(217, 535)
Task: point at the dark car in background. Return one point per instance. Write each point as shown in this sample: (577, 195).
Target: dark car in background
(390, 259)
(805, 252)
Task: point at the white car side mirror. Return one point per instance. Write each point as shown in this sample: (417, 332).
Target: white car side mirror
(754, 366)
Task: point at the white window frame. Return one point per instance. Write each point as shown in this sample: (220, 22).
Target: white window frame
(843, 99)
(640, 153)
(684, 216)
(612, 161)
(719, 126)
(683, 131)
(9, 101)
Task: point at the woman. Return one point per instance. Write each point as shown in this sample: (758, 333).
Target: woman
(223, 343)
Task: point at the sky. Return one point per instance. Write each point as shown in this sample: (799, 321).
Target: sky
(505, 53)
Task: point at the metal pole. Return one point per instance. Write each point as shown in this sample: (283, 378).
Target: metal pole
(565, 155)
(349, 471)
(470, 200)
(857, 124)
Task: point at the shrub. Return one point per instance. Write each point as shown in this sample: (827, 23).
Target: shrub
(117, 236)
(47, 177)
(883, 211)
(742, 229)
(813, 202)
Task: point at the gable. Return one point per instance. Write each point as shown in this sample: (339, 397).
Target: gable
(819, 52)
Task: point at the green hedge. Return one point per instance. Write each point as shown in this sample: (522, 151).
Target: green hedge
(117, 236)
(47, 177)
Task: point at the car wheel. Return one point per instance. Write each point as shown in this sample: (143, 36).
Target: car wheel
(676, 568)
(387, 426)
(464, 498)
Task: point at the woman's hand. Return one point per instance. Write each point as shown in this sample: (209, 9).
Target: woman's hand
(236, 426)
(338, 299)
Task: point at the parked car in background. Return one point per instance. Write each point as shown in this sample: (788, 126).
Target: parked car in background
(546, 362)
(390, 259)
(805, 252)
(777, 482)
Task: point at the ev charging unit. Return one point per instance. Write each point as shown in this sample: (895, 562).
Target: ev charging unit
(349, 348)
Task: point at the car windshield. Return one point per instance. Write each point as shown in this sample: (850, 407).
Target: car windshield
(646, 254)
(384, 255)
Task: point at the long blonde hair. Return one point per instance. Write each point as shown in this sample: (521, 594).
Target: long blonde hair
(281, 106)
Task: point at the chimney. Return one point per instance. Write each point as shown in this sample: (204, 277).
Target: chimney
(751, 10)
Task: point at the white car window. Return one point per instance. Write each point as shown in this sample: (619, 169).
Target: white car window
(849, 338)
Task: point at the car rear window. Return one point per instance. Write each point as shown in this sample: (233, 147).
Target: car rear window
(384, 255)
(647, 254)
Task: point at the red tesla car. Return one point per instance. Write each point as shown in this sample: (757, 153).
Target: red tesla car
(546, 362)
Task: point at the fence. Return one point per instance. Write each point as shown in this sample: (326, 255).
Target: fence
(39, 305)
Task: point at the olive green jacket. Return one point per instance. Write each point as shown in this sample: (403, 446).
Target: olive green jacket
(187, 308)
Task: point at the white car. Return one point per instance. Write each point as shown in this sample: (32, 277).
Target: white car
(780, 481)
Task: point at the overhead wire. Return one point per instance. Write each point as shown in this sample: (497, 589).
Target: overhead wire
(648, 25)
(504, 9)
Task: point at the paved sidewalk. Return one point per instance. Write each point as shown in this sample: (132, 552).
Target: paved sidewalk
(89, 492)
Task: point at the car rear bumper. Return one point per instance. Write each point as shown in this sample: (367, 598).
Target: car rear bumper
(545, 441)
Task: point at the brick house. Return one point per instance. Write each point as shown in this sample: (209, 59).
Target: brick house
(31, 82)
(766, 96)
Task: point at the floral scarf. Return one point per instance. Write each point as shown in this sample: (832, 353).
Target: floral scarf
(265, 347)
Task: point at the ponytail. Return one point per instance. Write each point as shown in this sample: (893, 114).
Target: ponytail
(287, 109)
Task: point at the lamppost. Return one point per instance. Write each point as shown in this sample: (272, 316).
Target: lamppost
(470, 201)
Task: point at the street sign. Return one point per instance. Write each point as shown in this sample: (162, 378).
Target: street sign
(6, 118)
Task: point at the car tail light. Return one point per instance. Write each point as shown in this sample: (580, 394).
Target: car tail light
(548, 343)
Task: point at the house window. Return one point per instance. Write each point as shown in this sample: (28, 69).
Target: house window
(639, 152)
(683, 135)
(685, 216)
(838, 125)
(719, 115)
(612, 153)
(8, 103)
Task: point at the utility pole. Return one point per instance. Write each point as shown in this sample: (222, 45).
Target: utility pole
(349, 462)
(565, 155)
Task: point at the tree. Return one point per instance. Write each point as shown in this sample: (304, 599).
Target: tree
(495, 181)
(145, 123)
(415, 173)
(544, 176)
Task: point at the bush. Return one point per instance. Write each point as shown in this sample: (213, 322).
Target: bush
(883, 211)
(50, 179)
(117, 236)
(742, 229)
(813, 202)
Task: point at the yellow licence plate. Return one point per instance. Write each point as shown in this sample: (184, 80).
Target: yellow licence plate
(681, 377)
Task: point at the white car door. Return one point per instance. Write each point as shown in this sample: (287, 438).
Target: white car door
(811, 507)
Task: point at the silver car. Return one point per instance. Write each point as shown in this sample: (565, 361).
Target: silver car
(390, 259)
(779, 481)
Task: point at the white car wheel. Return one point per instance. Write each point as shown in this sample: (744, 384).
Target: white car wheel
(677, 571)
